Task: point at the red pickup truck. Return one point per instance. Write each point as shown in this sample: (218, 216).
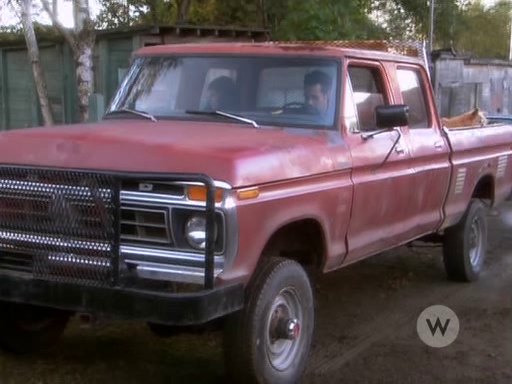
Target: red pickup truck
(221, 179)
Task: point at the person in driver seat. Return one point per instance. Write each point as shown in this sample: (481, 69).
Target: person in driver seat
(222, 94)
(317, 91)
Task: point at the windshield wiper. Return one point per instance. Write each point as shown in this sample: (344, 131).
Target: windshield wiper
(224, 114)
(133, 111)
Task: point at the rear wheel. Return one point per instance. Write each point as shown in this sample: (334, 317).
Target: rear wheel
(465, 244)
(269, 340)
(26, 328)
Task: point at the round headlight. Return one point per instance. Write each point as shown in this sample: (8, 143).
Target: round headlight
(195, 232)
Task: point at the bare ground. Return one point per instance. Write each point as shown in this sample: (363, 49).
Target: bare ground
(365, 330)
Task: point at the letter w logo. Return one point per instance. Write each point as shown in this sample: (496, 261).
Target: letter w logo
(437, 324)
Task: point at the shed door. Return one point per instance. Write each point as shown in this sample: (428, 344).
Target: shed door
(20, 96)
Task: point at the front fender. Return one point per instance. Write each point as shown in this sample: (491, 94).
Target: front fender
(326, 200)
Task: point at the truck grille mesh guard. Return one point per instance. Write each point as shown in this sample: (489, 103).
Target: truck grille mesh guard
(63, 223)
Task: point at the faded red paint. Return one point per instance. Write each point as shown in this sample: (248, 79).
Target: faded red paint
(234, 153)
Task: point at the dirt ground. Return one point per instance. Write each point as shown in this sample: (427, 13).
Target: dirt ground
(365, 330)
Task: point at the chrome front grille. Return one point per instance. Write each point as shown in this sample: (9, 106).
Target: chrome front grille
(152, 239)
(169, 189)
(146, 226)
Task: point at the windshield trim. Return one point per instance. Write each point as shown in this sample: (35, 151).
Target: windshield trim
(335, 59)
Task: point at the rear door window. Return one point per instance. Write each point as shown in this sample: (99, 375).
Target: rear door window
(413, 95)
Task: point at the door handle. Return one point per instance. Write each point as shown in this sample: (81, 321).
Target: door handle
(438, 145)
(399, 150)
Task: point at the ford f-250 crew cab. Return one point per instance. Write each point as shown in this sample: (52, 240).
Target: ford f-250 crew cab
(222, 176)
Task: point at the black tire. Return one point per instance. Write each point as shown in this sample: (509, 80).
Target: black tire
(26, 328)
(465, 244)
(258, 346)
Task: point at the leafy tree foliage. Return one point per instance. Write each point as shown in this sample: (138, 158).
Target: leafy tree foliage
(485, 32)
(410, 19)
(120, 13)
(288, 19)
(327, 20)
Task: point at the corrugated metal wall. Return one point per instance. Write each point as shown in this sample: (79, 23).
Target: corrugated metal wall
(464, 83)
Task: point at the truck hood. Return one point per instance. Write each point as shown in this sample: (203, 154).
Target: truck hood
(237, 154)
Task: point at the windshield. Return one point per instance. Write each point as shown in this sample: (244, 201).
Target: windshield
(293, 92)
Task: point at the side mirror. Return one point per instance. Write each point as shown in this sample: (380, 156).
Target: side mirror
(390, 116)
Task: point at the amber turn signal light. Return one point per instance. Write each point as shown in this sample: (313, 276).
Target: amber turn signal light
(246, 194)
(198, 193)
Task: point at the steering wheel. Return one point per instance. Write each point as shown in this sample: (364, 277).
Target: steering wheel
(300, 107)
(294, 105)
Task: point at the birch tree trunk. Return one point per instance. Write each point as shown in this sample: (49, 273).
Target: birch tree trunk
(81, 40)
(83, 53)
(33, 54)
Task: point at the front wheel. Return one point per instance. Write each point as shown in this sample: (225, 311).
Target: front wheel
(26, 328)
(269, 340)
(465, 244)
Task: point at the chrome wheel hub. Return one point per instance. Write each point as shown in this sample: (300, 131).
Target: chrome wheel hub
(475, 242)
(283, 329)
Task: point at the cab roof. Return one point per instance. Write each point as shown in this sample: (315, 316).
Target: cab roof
(376, 50)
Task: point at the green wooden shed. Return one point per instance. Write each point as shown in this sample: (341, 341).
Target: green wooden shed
(19, 107)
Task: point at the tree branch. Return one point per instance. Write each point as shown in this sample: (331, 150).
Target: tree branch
(15, 7)
(57, 24)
